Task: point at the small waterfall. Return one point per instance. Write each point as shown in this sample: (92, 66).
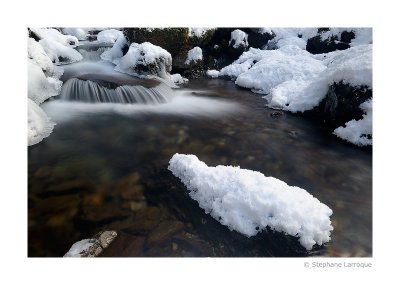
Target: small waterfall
(89, 91)
(93, 55)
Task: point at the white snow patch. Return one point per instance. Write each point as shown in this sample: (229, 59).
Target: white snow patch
(178, 79)
(109, 36)
(198, 32)
(53, 34)
(213, 73)
(156, 58)
(357, 131)
(238, 38)
(247, 201)
(55, 50)
(79, 247)
(41, 88)
(195, 54)
(39, 125)
(283, 73)
(79, 33)
(291, 36)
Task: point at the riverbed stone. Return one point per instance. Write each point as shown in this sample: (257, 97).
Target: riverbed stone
(164, 231)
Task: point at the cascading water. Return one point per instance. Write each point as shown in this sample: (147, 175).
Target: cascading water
(89, 91)
(93, 55)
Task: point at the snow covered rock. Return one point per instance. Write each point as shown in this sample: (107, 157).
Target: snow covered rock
(79, 33)
(212, 73)
(39, 125)
(246, 201)
(109, 36)
(53, 34)
(178, 79)
(331, 39)
(238, 39)
(59, 53)
(116, 52)
(295, 80)
(358, 132)
(198, 32)
(146, 59)
(40, 87)
(194, 55)
(37, 53)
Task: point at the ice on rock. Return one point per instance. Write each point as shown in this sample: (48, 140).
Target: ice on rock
(57, 51)
(109, 36)
(40, 87)
(53, 34)
(358, 132)
(146, 59)
(194, 55)
(238, 38)
(247, 201)
(79, 33)
(39, 124)
(115, 53)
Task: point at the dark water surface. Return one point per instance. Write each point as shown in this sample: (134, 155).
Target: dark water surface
(107, 171)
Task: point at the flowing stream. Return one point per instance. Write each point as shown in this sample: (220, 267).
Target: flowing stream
(104, 167)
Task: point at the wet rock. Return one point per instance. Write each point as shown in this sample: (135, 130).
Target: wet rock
(316, 45)
(276, 114)
(69, 187)
(106, 238)
(164, 231)
(342, 104)
(149, 213)
(100, 241)
(195, 245)
(142, 226)
(106, 212)
(294, 134)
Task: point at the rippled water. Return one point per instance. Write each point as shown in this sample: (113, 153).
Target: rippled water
(104, 168)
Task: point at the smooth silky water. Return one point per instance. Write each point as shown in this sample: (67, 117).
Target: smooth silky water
(104, 168)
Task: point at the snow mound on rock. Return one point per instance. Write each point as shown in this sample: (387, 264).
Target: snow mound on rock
(358, 132)
(53, 34)
(247, 201)
(238, 39)
(58, 52)
(109, 36)
(145, 59)
(39, 125)
(40, 87)
(194, 55)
